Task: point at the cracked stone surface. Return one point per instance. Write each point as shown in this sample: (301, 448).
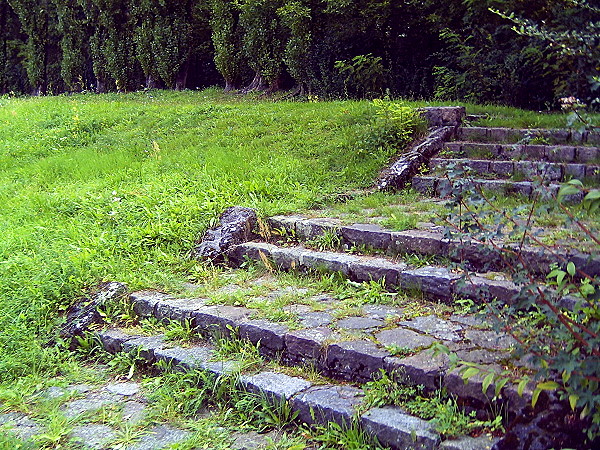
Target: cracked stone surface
(124, 389)
(160, 437)
(436, 327)
(93, 435)
(358, 323)
(401, 337)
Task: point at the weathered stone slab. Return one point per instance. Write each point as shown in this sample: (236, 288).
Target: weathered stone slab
(330, 261)
(19, 424)
(482, 150)
(481, 289)
(359, 323)
(443, 116)
(588, 154)
(557, 153)
(369, 235)
(419, 242)
(502, 168)
(178, 308)
(434, 282)
(276, 385)
(473, 389)
(188, 358)
(382, 312)
(315, 319)
(312, 228)
(537, 152)
(424, 185)
(323, 404)
(307, 345)
(469, 443)
(490, 339)
(575, 171)
(401, 337)
(398, 430)
(160, 437)
(375, 269)
(420, 369)
(75, 408)
(113, 339)
(146, 345)
(219, 318)
(287, 258)
(354, 360)
(93, 436)
(236, 226)
(133, 412)
(268, 335)
(126, 389)
(436, 327)
(144, 302)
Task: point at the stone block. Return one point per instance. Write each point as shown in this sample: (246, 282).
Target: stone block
(287, 258)
(218, 318)
(359, 323)
(93, 436)
(312, 228)
(187, 358)
(481, 151)
(237, 254)
(560, 136)
(576, 171)
(113, 339)
(557, 153)
(402, 337)
(398, 430)
(354, 360)
(480, 289)
(268, 335)
(590, 264)
(327, 403)
(419, 242)
(536, 152)
(593, 138)
(436, 327)
(490, 339)
(178, 309)
(424, 185)
(442, 116)
(307, 345)
(502, 168)
(145, 345)
(472, 390)
(479, 166)
(144, 302)
(472, 133)
(469, 443)
(512, 151)
(287, 223)
(369, 235)
(315, 319)
(434, 282)
(364, 269)
(277, 386)
(592, 173)
(420, 369)
(329, 261)
(455, 148)
(160, 436)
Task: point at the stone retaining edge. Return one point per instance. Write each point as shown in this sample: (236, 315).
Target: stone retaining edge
(314, 404)
(425, 243)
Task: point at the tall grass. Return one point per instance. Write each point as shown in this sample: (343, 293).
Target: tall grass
(119, 187)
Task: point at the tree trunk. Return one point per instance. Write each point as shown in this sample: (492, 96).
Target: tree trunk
(258, 84)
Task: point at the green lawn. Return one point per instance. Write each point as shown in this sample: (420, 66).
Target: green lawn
(119, 187)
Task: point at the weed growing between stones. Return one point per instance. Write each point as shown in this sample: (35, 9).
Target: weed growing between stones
(448, 419)
(556, 324)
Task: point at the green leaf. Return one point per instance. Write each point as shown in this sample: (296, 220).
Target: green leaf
(566, 376)
(571, 268)
(548, 386)
(560, 277)
(499, 385)
(535, 396)
(573, 401)
(574, 182)
(486, 382)
(521, 386)
(471, 371)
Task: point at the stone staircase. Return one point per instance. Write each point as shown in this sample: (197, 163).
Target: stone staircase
(350, 341)
(349, 346)
(510, 160)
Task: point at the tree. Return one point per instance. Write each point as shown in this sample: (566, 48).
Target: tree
(42, 55)
(13, 77)
(227, 41)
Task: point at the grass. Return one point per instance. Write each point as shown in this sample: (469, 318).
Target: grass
(120, 187)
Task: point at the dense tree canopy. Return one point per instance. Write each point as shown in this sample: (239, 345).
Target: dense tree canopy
(504, 51)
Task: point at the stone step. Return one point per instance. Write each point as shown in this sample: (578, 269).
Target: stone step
(440, 187)
(433, 282)
(420, 242)
(330, 351)
(314, 404)
(526, 170)
(513, 135)
(552, 153)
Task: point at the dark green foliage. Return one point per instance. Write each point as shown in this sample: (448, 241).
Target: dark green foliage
(12, 72)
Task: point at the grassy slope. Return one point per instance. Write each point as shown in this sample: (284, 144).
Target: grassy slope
(119, 187)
